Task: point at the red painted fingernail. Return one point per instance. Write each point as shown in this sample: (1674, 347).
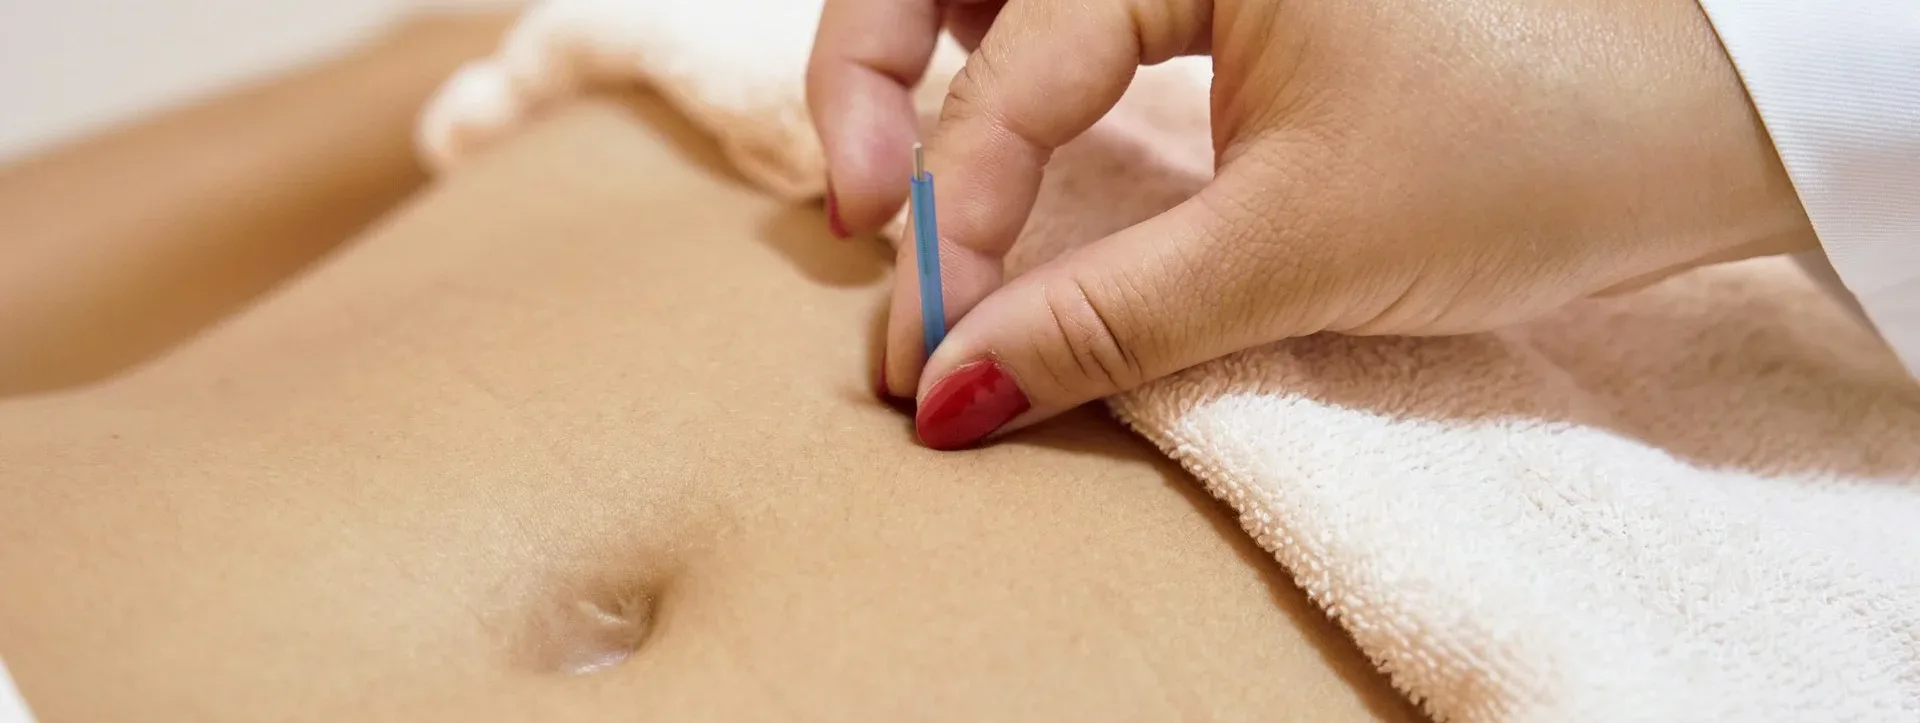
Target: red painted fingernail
(834, 224)
(967, 405)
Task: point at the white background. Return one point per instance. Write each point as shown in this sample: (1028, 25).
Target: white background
(68, 67)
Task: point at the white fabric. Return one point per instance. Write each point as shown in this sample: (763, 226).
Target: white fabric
(1837, 84)
(1698, 502)
(13, 708)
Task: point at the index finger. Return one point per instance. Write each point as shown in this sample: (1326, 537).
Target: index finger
(867, 56)
(1045, 72)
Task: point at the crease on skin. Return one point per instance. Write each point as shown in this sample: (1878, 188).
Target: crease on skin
(1097, 336)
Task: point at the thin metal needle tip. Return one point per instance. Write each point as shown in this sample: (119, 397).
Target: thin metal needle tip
(919, 161)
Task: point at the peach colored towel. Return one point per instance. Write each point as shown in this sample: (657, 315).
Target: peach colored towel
(1700, 502)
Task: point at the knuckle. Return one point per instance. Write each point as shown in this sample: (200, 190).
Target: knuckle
(967, 92)
(975, 98)
(1095, 350)
(1166, 28)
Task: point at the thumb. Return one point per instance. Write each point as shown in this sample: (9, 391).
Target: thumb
(1207, 278)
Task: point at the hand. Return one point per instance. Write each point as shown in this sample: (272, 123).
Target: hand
(1383, 167)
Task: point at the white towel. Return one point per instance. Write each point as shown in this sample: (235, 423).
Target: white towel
(1699, 502)
(13, 708)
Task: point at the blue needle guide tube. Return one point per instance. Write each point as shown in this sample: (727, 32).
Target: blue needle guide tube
(926, 247)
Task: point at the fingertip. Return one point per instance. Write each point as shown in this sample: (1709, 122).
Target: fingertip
(970, 404)
(903, 358)
(867, 56)
(966, 277)
(866, 138)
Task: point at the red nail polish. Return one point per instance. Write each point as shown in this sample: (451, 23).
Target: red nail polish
(967, 405)
(834, 224)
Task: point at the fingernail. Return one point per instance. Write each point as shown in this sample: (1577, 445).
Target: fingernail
(967, 405)
(834, 224)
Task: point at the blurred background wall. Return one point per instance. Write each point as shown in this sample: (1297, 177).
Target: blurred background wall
(71, 67)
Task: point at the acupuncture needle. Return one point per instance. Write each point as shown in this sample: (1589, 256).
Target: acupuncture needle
(926, 247)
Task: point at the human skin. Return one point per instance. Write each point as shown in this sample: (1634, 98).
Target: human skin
(1383, 167)
(582, 432)
(116, 246)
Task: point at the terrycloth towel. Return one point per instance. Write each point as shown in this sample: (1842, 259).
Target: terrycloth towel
(1699, 502)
